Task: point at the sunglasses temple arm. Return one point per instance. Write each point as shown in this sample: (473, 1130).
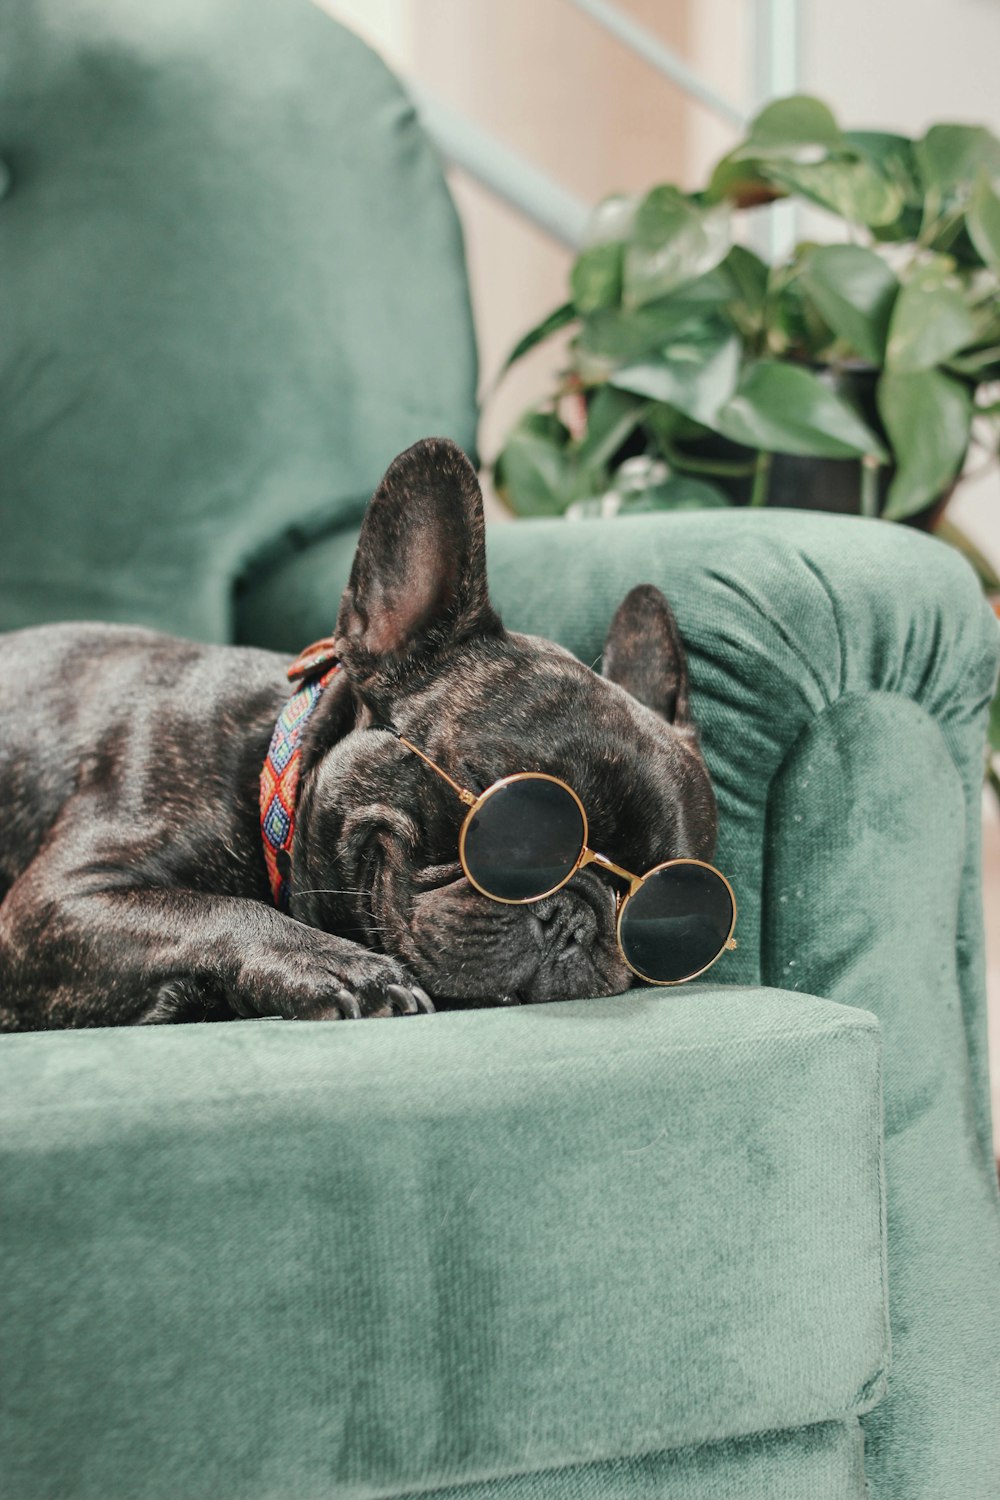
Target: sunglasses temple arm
(469, 798)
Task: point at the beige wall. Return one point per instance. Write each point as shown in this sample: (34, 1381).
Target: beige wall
(553, 86)
(550, 84)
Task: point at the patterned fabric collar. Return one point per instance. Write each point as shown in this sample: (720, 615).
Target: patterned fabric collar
(279, 777)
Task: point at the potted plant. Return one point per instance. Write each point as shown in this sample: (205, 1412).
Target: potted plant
(849, 376)
(853, 375)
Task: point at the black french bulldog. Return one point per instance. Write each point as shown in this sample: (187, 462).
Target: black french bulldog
(132, 876)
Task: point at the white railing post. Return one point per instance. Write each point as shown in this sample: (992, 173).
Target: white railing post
(776, 71)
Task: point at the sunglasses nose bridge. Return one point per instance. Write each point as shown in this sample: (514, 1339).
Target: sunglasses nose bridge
(591, 857)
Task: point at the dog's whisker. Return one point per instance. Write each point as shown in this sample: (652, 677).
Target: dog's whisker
(329, 890)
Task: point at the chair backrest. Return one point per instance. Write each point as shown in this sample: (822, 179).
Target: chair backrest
(233, 289)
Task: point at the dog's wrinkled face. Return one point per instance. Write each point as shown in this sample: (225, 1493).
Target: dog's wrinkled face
(377, 850)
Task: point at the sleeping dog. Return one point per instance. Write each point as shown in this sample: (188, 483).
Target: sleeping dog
(136, 884)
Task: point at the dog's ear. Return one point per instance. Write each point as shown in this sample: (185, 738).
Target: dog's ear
(644, 654)
(419, 577)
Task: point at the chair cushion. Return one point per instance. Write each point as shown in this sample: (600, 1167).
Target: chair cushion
(274, 1258)
(234, 289)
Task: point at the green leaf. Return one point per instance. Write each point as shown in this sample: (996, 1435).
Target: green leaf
(673, 242)
(783, 408)
(596, 278)
(928, 417)
(993, 728)
(788, 322)
(696, 375)
(952, 156)
(948, 532)
(984, 221)
(533, 473)
(541, 331)
(678, 492)
(893, 157)
(977, 363)
(612, 220)
(741, 182)
(610, 337)
(866, 176)
(854, 290)
(930, 320)
(749, 276)
(668, 427)
(702, 294)
(612, 416)
(789, 124)
(632, 498)
(983, 292)
(853, 189)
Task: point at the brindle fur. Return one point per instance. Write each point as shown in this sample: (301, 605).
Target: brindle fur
(132, 881)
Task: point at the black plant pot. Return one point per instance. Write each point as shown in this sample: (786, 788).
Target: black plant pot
(797, 483)
(830, 484)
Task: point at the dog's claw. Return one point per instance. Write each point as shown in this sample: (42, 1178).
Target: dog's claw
(373, 998)
(404, 1001)
(348, 1005)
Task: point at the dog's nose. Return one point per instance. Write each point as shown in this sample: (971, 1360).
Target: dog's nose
(566, 924)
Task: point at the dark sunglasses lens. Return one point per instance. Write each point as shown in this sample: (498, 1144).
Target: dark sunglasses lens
(677, 922)
(524, 840)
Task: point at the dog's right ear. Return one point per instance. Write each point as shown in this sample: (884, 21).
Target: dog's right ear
(644, 654)
(418, 583)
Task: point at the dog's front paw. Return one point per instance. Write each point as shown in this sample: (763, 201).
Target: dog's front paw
(330, 979)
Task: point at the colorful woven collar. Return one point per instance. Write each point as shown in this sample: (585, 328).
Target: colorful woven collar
(279, 777)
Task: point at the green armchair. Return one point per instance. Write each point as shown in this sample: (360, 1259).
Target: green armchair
(643, 1246)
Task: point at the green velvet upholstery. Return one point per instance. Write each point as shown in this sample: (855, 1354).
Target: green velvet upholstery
(366, 1259)
(842, 670)
(233, 285)
(809, 1463)
(610, 1249)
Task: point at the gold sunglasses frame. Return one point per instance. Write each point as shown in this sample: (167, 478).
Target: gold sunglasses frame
(587, 856)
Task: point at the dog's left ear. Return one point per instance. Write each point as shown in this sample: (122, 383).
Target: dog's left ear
(644, 654)
(419, 577)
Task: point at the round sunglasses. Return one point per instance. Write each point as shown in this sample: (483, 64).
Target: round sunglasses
(525, 837)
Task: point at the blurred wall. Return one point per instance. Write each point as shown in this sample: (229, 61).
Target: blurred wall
(556, 88)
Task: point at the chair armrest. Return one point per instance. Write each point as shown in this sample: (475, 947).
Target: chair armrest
(806, 630)
(393, 1255)
(841, 673)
